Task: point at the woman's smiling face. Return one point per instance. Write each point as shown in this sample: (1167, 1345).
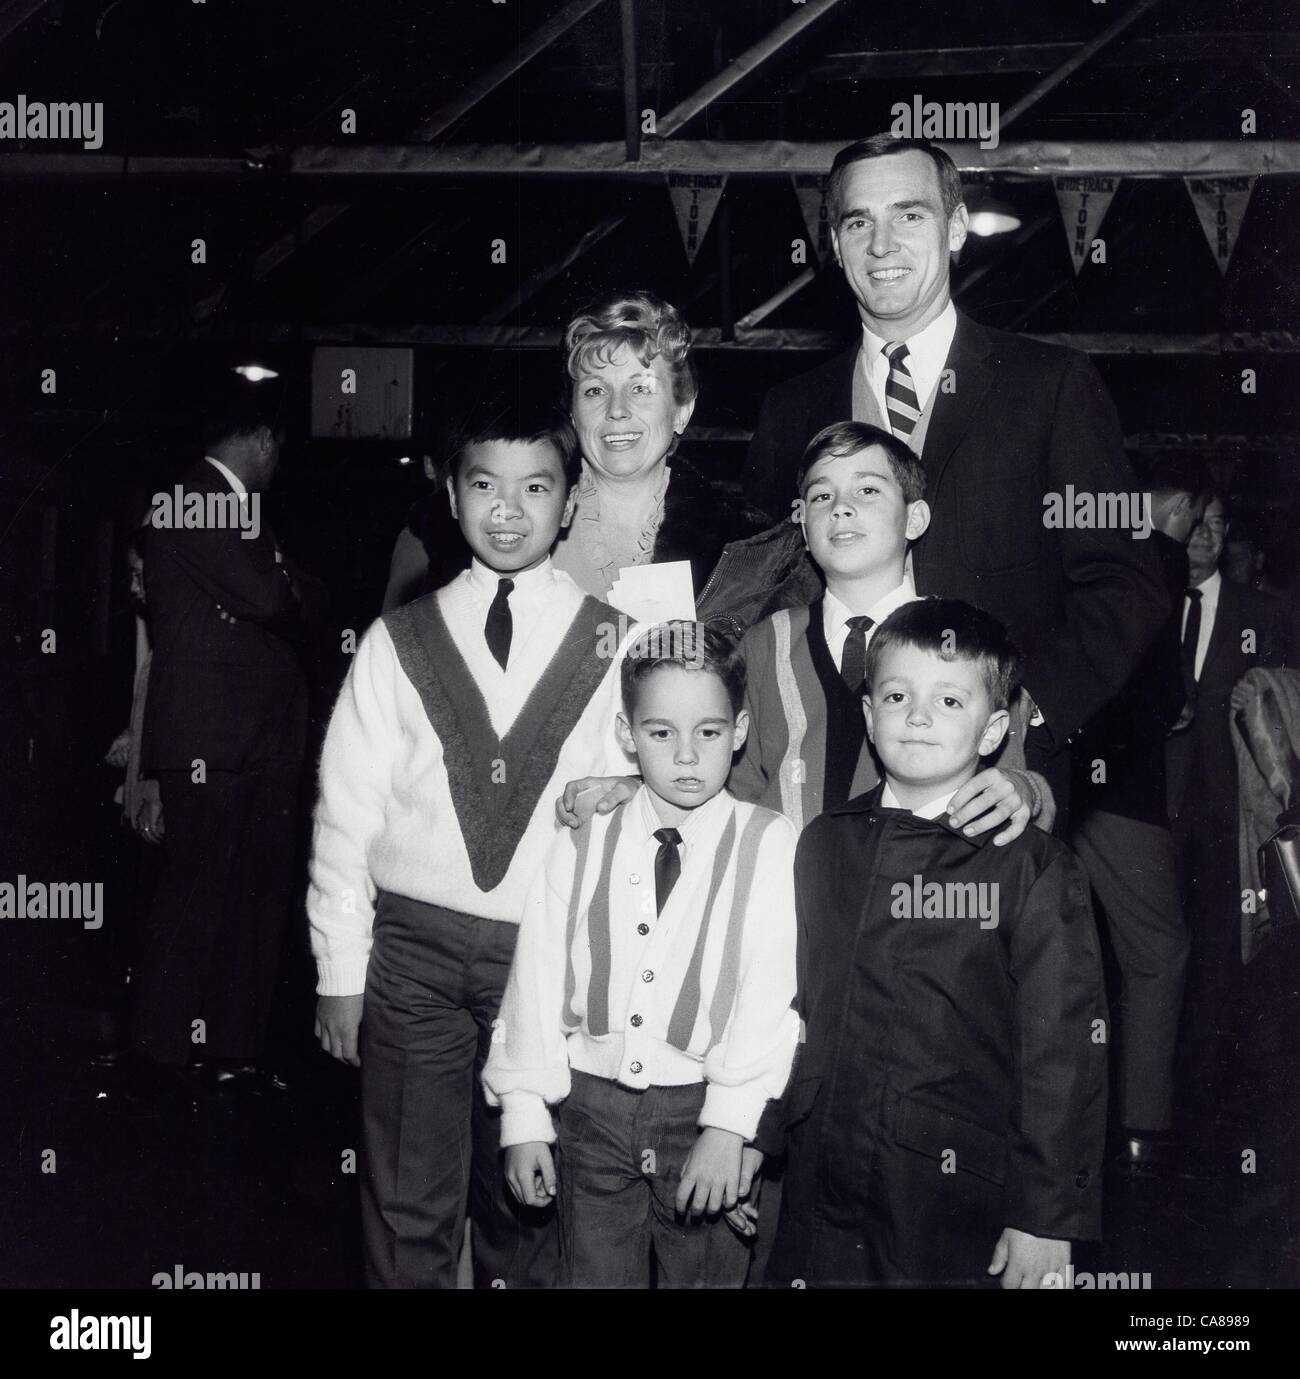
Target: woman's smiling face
(624, 412)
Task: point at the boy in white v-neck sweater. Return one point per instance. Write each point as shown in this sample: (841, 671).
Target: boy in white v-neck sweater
(462, 715)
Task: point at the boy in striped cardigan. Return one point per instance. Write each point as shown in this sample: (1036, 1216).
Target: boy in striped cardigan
(647, 1019)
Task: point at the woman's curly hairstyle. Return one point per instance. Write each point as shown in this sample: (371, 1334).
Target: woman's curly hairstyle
(649, 327)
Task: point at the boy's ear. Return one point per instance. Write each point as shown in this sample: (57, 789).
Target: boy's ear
(570, 506)
(994, 731)
(741, 731)
(624, 730)
(451, 495)
(866, 713)
(918, 519)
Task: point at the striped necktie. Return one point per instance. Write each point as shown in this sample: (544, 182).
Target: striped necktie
(900, 392)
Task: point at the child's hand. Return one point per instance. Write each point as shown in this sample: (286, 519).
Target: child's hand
(991, 797)
(593, 795)
(530, 1171)
(338, 1022)
(1024, 1260)
(711, 1173)
(743, 1217)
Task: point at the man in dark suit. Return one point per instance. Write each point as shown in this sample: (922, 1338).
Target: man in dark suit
(1121, 835)
(224, 734)
(1227, 629)
(1002, 425)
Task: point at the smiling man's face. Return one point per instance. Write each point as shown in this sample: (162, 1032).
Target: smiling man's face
(893, 242)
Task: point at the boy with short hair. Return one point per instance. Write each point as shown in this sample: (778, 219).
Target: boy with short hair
(650, 999)
(861, 505)
(462, 715)
(946, 1119)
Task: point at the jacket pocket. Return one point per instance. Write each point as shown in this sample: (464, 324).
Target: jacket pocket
(934, 1132)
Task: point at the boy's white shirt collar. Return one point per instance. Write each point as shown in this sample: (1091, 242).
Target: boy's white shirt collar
(835, 615)
(931, 809)
(232, 478)
(709, 817)
(528, 583)
(927, 352)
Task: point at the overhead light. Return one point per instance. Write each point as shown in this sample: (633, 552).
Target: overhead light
(403, 459)
(255, 373)
(993, 217)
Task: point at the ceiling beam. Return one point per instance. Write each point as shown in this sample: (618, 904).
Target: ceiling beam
(744, 66)
(367, 163)
(1084, 54)
(1002, 59)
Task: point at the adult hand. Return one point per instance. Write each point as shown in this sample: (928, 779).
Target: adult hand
(148, 821)
(338, 1021)
(990, 798)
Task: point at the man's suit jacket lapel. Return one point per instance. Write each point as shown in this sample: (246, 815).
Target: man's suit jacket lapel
(953, 412)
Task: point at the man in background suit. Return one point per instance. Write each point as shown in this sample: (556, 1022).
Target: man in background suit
(1121, 835)
(1226, 630)
(1000, 423)
(224, 733)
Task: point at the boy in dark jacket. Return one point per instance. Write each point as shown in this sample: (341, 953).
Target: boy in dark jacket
(945, 1117)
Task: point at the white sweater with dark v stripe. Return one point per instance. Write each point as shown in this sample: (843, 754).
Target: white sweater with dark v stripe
(701, 992)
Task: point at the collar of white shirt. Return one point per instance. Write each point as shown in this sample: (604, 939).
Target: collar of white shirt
(835, 616)
(232, 478)
(1209, 590)
(530, 585)
(932, 809)
(927, 352)
(699, 826)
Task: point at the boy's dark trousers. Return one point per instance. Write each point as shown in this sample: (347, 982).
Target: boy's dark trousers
(433, 990)
(620, 1166)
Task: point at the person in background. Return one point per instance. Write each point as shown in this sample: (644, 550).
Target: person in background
(1121, 835)
(224, 731)
(1226, 629)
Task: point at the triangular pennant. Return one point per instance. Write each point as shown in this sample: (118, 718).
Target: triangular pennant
(813, 191)
(1220, 207)
(1084, 202)
(695, 197)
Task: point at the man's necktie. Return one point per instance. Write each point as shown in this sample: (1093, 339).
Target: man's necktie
(500, 625)
(853, 664)
(1191, 635)
(900, 392)
(668, 866)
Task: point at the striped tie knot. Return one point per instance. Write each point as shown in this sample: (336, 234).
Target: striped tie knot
(900, 392)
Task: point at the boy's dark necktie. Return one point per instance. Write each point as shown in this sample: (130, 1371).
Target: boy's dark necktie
(853, 664)
(500, 625)
(1191, 635)
(901, 401)
(668, 865)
